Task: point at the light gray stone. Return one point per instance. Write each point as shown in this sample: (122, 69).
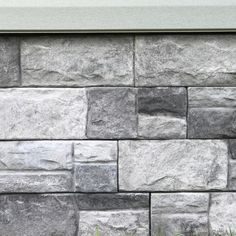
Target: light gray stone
(42, 113)
(162, 112)
(222, 213)
(185, 60)
(111, 113)
(9, 62)
(172, 165)
(232, 174)
(35, 155)
(114, 223)
(77, 61)
(212, 112)
(180, 213)
(37, 181)
(41, 215)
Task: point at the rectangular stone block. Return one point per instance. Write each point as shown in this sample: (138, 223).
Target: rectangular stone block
(212, 112)
(111, 113)
(173, 165)
(9, 62)
(222, 213)
(77, 61)
(232, 175)
(43, 113)
(186, 60)
(179, 214)
(232, 148)
(162, 112)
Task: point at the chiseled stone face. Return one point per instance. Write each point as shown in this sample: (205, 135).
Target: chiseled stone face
(42, 113)
(77, 61)
(172, 165)
(9, 62)
(162, 112)
(111, 113)
(179, 213)
(222, 213)
(212, 112)
(185, 60)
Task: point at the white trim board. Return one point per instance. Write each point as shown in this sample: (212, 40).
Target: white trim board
(117, 15)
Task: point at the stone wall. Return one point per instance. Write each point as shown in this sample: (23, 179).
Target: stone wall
(123, 134)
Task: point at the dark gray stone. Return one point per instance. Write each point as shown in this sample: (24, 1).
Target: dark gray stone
(232, 148)
(232, 174)
(111, 113)
(9, 62)
(96, 178)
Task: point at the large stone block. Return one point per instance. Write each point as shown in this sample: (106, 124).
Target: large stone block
(172, 165)
(111, 113)
(42, 113)
(162, 112)
(185, 60)
(77, 61)
(212, 112)
(9, 62)
(222, 213)
(180, 214)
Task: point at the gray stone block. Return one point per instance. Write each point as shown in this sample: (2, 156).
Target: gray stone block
(222, 213)
(43, 113)
(232, 148)
(173, 165)
(212, 112)
(232, 174)
(9, 62)
(186, 60)
(77, 61)
(179, 213)
(111, 113)
(162, 112)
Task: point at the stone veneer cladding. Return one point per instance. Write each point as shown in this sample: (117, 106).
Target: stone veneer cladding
(128, 134)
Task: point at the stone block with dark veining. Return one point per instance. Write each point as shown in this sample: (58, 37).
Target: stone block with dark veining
(162, 112)
(32, 113)
(41, 215)
(111, 113)
(179, 213)
(212, 112)
(173, 165)
(9, 62)
(186, 60)
(77, 61)
(222, 213)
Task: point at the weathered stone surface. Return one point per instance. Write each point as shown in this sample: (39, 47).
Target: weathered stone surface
(41, 215)
(96, 178)
(186, 60)
(232, 148)
(42, 113)
(222, 213)
(9, 62)
(111, 113)
(162, 112)
(114, 223)
(172, 165)
(35, 155)
(11, 181)
(212, 112)
(77, 61)
(180, 213)
(112, 201)
(232, 175)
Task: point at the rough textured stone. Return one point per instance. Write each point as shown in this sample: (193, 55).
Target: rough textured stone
(111, 113)
(42, 113)
(232, 175)
(77, 61)
(212, 112)
(180, 213)
(41, 215)
(162, 112)
(172, 165)
(186, 60)
(9, 62)
(114, 223)
(222, 213)
(232, 148)
(28, 155)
